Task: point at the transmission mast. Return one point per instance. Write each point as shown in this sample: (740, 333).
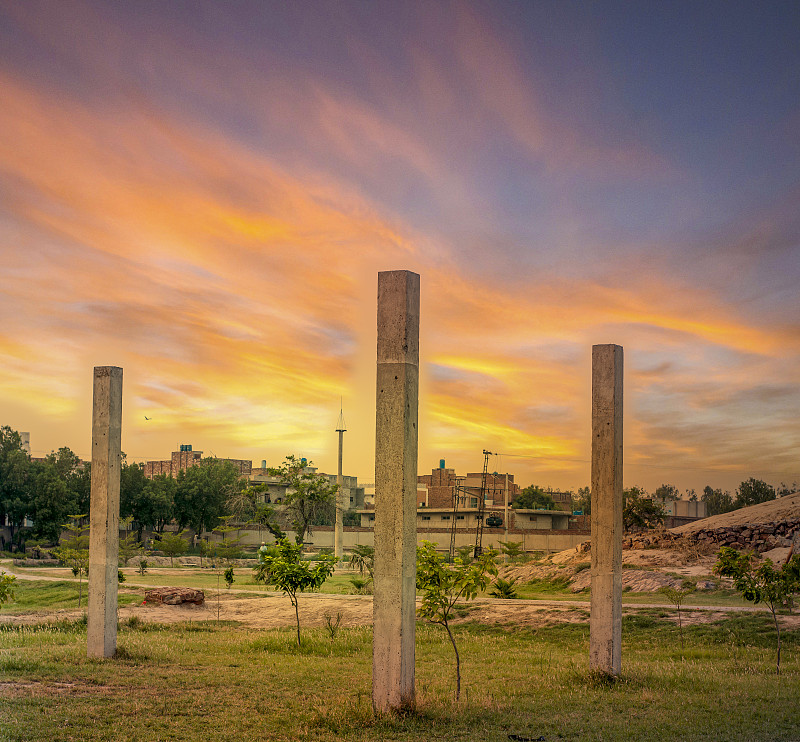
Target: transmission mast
(482, 505)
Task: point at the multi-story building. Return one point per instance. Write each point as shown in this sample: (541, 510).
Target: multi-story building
(184, 459)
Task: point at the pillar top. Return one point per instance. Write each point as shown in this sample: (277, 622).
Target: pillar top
(107, 370)
(398, 317)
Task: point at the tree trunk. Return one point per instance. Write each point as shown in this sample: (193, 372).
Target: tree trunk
(458, 661)
(297, 616)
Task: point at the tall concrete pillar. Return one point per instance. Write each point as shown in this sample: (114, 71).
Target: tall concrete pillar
(395, 491)
(104, 511)
(605, 631)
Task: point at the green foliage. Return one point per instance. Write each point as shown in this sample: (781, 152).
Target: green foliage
(202, 492)
(668, 492)
(513, 550)
(74, 550)
(504, 588)
(361, 585)
(761, 583)
(120, 576)
(639, 511)
(442, 585)
(173, 544)
(533, 497)
(583, 501)
(289, 573)
(310, 497)
(229, 578)
(129, 547)
(6, 587)
(142, 568)
(753, 492)
(362, 558)
(466, 554)
(717, 501)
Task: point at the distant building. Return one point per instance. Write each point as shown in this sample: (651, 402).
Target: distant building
(436, 490)
(186, 458)
(276, 490)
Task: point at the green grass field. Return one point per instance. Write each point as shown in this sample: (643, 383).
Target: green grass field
(204, 681)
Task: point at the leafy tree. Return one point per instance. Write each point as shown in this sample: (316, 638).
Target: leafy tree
(787, 489)
(442, 585)
(173, 544)
(639, 511)
(668, 492)
(50, 501)
(6, 587)
(202, 492)
(229, 578)
(289, 573)
(762, 583)
(149, 502)
(15, 476)
(533, 497)
(308, 495)
(584, 501)
(717, 501)
(753, 492)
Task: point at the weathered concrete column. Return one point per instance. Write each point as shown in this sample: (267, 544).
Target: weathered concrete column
(395, 491)
(104, 511)
(605, 632)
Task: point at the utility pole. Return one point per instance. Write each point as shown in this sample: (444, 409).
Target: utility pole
(338, 536)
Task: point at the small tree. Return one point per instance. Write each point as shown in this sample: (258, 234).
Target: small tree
(288, 573)
(676, 596)
(442, 585)
(513, 550)
(74, 550)
(6, 587)
(229, 578)
(173, 544)
(363, 559)
(761, 583)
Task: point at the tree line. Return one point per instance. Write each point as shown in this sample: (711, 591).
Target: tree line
(46, 493)
(642, 509)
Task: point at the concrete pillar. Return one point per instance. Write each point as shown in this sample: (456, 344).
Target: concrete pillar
(104, 511)
(395, 491)
(605, 631)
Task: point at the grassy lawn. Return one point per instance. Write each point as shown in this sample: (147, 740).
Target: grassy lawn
(207, 682)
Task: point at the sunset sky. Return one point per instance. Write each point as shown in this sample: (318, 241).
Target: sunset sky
(204, 192)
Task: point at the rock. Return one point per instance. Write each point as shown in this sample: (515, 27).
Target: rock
(175, 596)
(706, 585)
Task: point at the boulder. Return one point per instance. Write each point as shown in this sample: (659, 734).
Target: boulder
(175, 596)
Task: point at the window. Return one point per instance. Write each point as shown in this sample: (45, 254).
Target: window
(445, 517)
(426, 517)
(459, 517)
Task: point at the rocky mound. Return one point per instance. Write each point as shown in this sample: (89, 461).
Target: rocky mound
(765, 513)
(174, 596)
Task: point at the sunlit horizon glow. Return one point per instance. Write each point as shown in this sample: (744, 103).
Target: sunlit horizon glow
(203, 194)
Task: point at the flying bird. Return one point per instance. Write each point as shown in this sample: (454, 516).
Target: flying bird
(146, 418)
